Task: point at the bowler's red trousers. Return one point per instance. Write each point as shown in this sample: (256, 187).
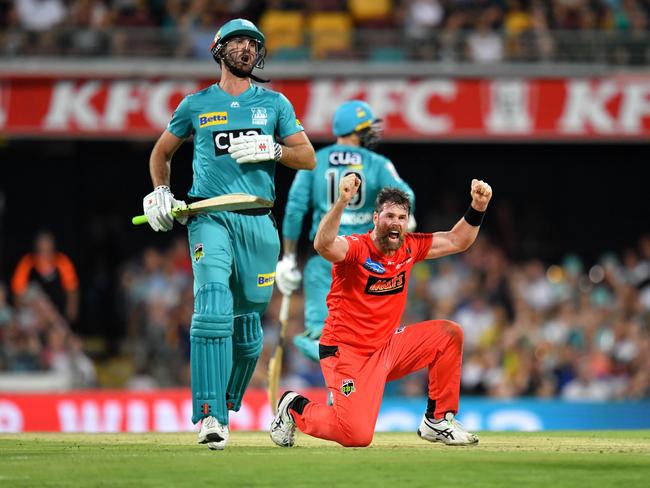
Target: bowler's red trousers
(357, 381)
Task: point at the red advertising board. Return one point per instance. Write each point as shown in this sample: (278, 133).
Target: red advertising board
(422, 109)
(123, 411)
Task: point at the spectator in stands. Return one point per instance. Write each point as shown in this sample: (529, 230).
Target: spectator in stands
(52, 272)
(484, 45)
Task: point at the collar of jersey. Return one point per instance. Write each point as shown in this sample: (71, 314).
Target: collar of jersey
(244, 96)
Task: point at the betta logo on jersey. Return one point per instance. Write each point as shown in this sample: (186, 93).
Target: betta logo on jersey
(385, 286)
(266, 279)
(345, 158)
(374, 267)
(223, 139)
(213, 118)
(347, 387)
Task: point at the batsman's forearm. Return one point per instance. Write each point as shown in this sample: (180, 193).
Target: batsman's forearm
(329, 225)
(290, 246)
(159, 167)
(301, 156)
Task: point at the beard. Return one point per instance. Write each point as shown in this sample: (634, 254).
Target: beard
(240, 63)
(388, 243)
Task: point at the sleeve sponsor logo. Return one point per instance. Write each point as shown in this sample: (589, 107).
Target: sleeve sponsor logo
(298, 123)
(385, 286)
(213, 118)
(223, 139)
(265, 279)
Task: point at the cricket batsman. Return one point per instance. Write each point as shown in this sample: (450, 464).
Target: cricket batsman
(357, 131)
(234, 254)
(363, 344)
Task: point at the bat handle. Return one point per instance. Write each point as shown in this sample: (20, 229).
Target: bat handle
(284, 308)
(139, 220)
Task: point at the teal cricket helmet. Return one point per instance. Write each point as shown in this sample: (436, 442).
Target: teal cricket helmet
(239, 28)
(352, 116)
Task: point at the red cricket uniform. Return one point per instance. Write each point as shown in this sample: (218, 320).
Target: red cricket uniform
(363, 344)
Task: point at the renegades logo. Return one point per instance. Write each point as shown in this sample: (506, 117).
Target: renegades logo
(385, 286)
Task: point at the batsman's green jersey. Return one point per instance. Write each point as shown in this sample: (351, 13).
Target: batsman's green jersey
(318, 190)
(234, 254)
(215, 118)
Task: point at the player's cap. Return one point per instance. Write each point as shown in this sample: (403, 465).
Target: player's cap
(238, 27)
(352, 116)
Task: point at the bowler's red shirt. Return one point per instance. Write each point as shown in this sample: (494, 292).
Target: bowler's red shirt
(368, 292)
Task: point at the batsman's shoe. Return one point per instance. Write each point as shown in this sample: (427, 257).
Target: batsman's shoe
(283, 427)
(447, 430)
(307, 346)
(213, 434)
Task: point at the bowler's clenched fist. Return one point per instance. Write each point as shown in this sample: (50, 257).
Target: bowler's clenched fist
(348, 187)
(481, 194)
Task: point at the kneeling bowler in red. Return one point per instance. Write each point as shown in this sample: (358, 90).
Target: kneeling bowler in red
(363, 344)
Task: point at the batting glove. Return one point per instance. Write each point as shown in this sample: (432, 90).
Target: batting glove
(254, 149)
(287, 275)
(158, 207)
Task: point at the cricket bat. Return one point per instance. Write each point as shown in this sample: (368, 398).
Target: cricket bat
(231, 201)
(275, 363)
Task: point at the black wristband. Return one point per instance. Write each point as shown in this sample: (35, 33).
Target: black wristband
(474, 217)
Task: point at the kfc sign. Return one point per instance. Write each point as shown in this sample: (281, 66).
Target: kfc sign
(413, 109)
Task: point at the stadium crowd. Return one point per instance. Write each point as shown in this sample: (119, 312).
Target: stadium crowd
(483, 31)
(568, 329)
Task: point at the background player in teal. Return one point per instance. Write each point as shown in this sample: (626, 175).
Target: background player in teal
(357, 132)
(234, 254)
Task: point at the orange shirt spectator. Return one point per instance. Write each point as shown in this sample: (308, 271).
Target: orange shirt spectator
(53, 272)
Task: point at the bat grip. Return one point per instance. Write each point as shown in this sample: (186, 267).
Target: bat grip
(284, 308)
(139, 220)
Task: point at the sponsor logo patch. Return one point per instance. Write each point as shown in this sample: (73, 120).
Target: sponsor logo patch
(266, 279)
(213, 118)
(374, 267)
(234, 104)
(347, 387)
(198, 252)
(345, 158)
(223, 139)
(298, 123)
(399, 265)
(259, 116)
(385, 286)
(400, 329)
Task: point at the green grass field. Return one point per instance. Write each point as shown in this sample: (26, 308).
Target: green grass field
(554, 459)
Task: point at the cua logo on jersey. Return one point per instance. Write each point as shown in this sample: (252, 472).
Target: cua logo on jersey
(345, 158)
(198, 252)
(213, 118)
(374, 267)
(385, 286)
(223, 139)
(347, 387)
(266, 279)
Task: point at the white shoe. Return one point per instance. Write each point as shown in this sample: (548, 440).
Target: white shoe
(283, 428)
(447, 430)
(213, 434)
